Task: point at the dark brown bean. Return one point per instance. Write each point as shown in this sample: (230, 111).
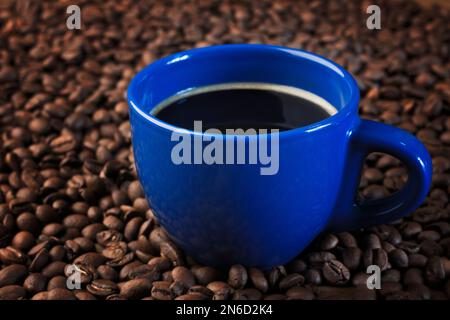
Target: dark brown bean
(299, 293)
(161, 290)
(12, 292)
(35, 283)
(171, 252)
(258, 279)
(237, 276)
(12, 274)
(205, 274)
(60, 294)
(136, 288)
(102, 287)
(11, 255)
(335, 272)
(275, 275)
(23, 240)
(183, 276)
(291, 280)
(57, 282)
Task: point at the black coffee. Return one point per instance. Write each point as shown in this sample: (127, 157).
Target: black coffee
(244, 106)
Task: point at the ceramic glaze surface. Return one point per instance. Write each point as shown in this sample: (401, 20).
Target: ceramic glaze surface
(227, 214)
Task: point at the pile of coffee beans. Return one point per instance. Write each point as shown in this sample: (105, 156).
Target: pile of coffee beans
(70, 201)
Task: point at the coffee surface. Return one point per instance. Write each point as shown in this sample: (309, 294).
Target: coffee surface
(244, 106)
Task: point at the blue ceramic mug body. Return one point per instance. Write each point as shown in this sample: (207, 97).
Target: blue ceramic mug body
(226, 214)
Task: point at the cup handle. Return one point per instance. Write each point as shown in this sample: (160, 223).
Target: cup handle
(371, 136)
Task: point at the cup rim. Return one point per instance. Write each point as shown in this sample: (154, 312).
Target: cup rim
(349, 108)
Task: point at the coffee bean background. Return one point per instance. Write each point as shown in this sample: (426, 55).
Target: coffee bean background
(69, 196)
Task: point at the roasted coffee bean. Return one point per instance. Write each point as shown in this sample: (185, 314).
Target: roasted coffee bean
(132, 228)
(216, 286)
(430, 248)
(313, 277)
(291, 280)
(107, 273)
(335, 272)
(55, 268)
(144, 271)
(115, 250)
(409, 247)
(28, 222)
(157, 237)
(183, 276)
(299, 293)
(437, 269)
(360, 279)
(375, 257)
(317, 259)
(177, 288)
(57, 282)
(113, 223)
(143, 246)
(389, 288)
(371, 241)
(78, 221)
(136, 288)
(247, 294)
(121, 261)
(161, 290)
(347, 240)
(413, 276)
(57, 253)
(296, 266)
(46, 244)
(258, 279)
(91, 259)
(63, 144)
(275, 275)
(135, 190)
(205, 275)
(23, 240)
(410, 229)
(398, 258)
(417, 260)
(60, 294)
(102, 287)
(237, 276)
(11, 255)
(40, 260)
(12, 292)
(126, 270)
(53, 229)
(40, 296)
(84, 244)
(221, 294)
(12, 274)
(84, 295)
(351, 257)
(35, 283)
(171, 252)
(329, 242)
(201, 290)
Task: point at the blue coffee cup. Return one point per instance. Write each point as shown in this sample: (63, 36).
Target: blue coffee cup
(228, 214)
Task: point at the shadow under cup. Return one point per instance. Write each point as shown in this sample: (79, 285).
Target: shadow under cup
(226, 214)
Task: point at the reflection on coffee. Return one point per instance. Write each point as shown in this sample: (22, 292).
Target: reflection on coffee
(244, 106)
